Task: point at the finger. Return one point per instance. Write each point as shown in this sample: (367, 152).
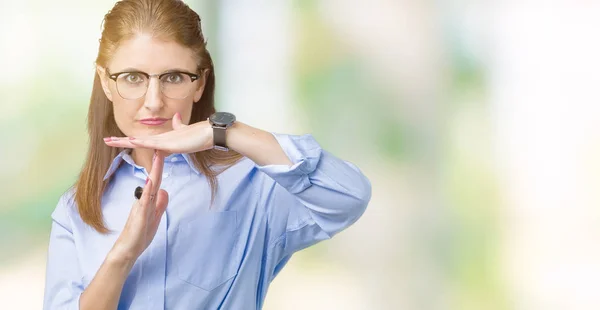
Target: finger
(177, 121)
(119, 142)
(147, 200)
(162, 201)
(149, 143)
(165, 146)
(161, 153)
(157, 171)
(163, 143)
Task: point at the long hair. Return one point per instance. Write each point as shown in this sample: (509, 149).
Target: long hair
(168, 19)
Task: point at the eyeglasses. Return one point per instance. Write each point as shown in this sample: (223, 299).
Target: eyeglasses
(173, 84)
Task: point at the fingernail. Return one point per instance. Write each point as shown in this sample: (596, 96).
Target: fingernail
(106, 139)
(131, 138)
(178, 115)
(147, 179)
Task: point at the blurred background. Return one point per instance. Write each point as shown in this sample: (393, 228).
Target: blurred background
(477, 123)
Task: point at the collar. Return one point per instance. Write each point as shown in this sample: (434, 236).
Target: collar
(125, 155)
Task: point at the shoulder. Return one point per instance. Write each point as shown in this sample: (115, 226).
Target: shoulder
(65, 207)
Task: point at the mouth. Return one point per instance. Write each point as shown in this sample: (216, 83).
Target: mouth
(154, 121)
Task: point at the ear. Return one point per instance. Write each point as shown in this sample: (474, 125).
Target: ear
(104, 81)
(198, 93)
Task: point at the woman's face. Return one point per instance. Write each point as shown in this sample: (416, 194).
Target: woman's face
(141, 111)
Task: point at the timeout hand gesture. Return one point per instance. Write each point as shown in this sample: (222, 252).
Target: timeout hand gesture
(144, 217)
(182, 139)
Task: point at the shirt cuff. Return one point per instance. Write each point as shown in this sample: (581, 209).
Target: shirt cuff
(304, 152)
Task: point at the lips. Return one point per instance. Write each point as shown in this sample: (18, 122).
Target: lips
(155, 121)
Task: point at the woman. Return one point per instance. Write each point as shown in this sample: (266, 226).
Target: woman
(223, 206)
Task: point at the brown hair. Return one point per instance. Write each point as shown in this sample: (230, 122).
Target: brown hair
(168, 19)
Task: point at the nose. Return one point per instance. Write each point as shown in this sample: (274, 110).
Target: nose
(153, 101)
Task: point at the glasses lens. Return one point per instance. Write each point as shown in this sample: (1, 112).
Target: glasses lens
(132, 85)
(176, 85)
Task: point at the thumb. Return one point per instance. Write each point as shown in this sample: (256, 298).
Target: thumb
(162, 201)
(177, 123)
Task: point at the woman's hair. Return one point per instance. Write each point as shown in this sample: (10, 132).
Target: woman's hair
(169, 20)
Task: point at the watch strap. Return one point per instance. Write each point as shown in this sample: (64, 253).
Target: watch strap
(219, 138)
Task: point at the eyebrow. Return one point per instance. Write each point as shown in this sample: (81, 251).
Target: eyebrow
(132, 70)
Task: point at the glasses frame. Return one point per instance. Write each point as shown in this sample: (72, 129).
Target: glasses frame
(115, 76)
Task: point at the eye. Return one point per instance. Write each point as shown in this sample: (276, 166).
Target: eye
(133, 78)
(173, 78)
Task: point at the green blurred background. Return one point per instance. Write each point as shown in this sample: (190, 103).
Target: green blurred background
(477, 124)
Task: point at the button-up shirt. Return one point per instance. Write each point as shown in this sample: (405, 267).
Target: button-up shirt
(222, 255)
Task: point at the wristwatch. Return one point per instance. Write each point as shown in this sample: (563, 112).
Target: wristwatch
(220, 121)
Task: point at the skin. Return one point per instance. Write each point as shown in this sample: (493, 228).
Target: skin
(154, 56)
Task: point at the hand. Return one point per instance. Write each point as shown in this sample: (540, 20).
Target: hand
(182, 139)
(144, 217)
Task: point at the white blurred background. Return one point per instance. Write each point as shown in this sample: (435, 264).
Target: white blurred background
(477, 122)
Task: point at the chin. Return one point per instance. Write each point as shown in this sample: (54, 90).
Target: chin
(153, 130)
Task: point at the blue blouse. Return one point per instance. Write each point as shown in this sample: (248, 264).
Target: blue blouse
(203, 257)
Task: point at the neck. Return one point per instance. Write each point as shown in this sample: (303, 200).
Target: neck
(143, 157)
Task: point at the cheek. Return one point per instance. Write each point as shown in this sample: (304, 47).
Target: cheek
(124, 113)
(186, 111)
(184, 107)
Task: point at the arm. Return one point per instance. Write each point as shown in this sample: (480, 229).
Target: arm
(64, 285)
(317, 194)
(332, 193)
(258, 145)
(105, 289)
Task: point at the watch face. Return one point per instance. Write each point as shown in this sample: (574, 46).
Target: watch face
(222, 118)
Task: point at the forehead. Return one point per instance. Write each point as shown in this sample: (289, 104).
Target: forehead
(152, 55)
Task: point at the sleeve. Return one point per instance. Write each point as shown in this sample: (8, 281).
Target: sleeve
(314, 199)
(64, 283)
